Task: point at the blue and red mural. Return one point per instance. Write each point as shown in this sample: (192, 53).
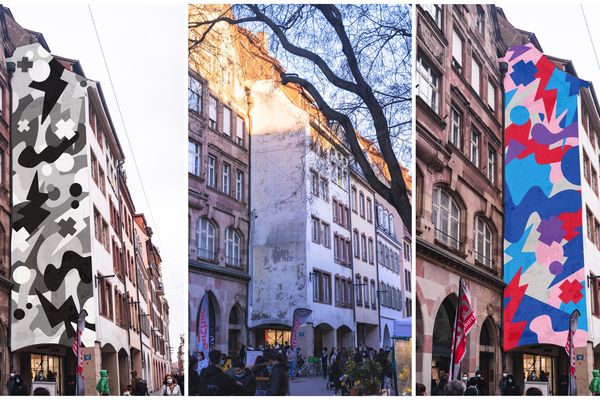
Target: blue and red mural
(543, 240)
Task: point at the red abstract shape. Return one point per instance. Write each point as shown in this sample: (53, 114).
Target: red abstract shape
(543, 153)
(570, 291)
(513, 330)
(545, 68)
(571, 221)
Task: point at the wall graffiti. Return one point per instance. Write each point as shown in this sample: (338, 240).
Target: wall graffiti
(543, 248)
(51, 238)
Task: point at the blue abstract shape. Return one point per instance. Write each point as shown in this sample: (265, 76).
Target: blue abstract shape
(520, 259)
(519, 115)
(569, 166)
(514, 149)
(523, 73)
(508, 97)
(525, 173)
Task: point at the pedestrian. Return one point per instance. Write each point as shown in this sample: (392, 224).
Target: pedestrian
(324, 362)
(454, 388)
(503, 382)
(194, 380)
(139, 386)
(11, 380)
(441, 386)
(170, 386)
(18, 388)
(595, 383)
(243, 353)
(279, 383)
(421, 389)
(482, 385)
(336, 372)
(181, 382)
(244, 376)
(563, 385)
(127, 391)
(290, 354)
(214, 382)
(102, 385)
(472, 389)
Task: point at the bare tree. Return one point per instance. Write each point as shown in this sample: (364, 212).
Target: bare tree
(355, 62)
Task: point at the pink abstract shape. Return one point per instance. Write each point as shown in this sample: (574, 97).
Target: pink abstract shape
(545, 254)
(542, 327)
(556, 174)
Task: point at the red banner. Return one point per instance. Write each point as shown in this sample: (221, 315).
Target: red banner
(464, 321)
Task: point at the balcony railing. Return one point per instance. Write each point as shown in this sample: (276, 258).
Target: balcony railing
(207, 254)
(233, 261)
(446, 239)
(488, 262)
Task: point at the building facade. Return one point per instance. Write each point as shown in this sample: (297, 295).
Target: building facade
(459, 209)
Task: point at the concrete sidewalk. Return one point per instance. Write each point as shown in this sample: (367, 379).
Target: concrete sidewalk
(316, 386)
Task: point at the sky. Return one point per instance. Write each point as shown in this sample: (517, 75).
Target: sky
(561, 31)
(146, 52)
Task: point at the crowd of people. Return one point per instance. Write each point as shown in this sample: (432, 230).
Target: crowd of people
(218, 374)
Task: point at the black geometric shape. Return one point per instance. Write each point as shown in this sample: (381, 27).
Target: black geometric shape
(28, 306)
(66, 313)
(52, 87)
(67, 227)
(19, 314)
(30, 158)
(75, 189)
(32, 213)
(24, 64)
(54, 193)
(54, 277)
(74, 204)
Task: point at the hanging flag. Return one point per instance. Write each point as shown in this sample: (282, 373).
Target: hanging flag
(77, 346)
(203, 345)
(300, 317)
(464, 321)
(570, 348)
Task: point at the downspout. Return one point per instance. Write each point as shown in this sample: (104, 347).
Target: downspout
(503, 68)
(11, 67)
(127, 316)
(351, 256)
(136, 250)
(251, 217)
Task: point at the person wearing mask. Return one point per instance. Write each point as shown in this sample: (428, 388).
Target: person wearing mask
(465, 378)
(102, 385)
(11, 380)
(245, 377)
(503, 382)
(279, 383)
(214, 382)
(170, 386)
(324, 362)
(482, 385)
(18, 388)
(532, 376)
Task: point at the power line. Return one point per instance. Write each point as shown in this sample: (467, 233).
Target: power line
(128, 140)
(590, 36)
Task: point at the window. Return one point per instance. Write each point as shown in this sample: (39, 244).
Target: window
(326, 234)
(475, 76)
(212, 112)
(232, 247)
(94, 167)
(586, 167)
(475, 147)
(491, 96)
(239, 185)
(407, 281)
(357, 285)
(212, 172)
(321, 287)
(315, 229)
(97, 225)
(205, 233)
(101, 180)
(314, 183)
(365, 287)
(590, 224)
(370, 250)
(239, 130)
(326, 288)
(445, 217)
(226, 175)
(483, 242)
(491, 172)
(595, 298)
(457, 50)
(392, 229)
(353, 199)
(361, 204)
(427, 83)
(435, 11)
(373, 295)
(594, 178)
(369, 210)
(226, 121)
(363, 246)
(194, 158)
(324, 189)
(480, 20)
(455, 125)
(355, 244)
(194, 95)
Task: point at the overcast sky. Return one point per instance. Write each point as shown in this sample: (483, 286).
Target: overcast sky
(561, 30)
(146, 52)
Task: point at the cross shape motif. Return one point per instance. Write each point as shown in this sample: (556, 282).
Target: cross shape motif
(24, 64)
(65, 129)
(67, 227)
(23, 125)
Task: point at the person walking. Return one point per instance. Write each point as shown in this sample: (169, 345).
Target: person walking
(324, 357)
(102, 385)
(279, 382)
(170, 386)
(595, 383)
(290, 354)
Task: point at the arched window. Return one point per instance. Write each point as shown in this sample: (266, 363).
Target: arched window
(392, 224)
(379, 215)
(446, 218)
(232, 247)
(205, 236)
(483, 242)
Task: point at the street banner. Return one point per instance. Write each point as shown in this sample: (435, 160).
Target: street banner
(464, 321)
(570, 348)
(300, 317)
(77, 346)
(203, 345)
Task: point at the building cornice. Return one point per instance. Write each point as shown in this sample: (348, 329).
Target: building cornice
(218, 271)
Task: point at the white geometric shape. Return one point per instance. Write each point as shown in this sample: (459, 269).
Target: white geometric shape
(21, 275)
(23, 125)
(40, 70)
(65, 129)
(47, 170)
(65, 162)
(20, 239)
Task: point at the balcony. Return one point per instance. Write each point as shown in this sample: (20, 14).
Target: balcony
(447, 240)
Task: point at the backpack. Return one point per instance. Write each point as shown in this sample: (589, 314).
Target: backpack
(141, 387)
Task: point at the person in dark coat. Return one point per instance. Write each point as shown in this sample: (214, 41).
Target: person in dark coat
(471, 389)
(244, 376)
(194, 377)
(279, 381)
(214, 382)
(324, 357)
(18, 387)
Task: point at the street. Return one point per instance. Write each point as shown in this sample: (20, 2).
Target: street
(314, 386)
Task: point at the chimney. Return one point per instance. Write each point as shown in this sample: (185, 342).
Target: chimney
(263, 39)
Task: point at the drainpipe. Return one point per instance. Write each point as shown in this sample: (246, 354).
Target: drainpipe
(11, 68)
(503, 68)
(251, 217)
(136, 252)
(127, 316)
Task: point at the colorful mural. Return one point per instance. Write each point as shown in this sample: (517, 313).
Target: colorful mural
(543, 247)
(51, 238)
